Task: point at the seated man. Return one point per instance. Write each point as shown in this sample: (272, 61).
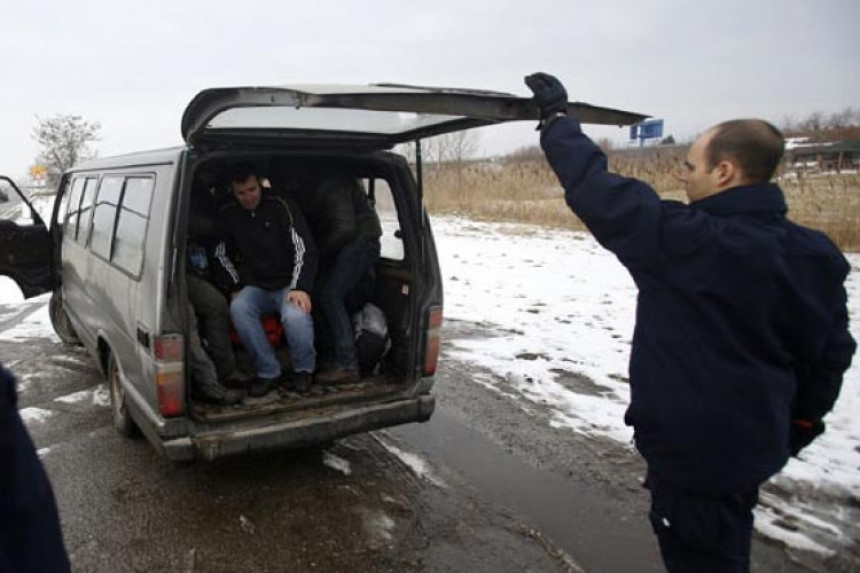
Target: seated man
(347, 230)
(277, 262)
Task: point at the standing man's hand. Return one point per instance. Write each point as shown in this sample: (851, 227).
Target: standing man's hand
(549, 95)
(300, 299)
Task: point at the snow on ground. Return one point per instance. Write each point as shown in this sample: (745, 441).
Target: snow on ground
(35, 325)
(416, 463)
(337, 463)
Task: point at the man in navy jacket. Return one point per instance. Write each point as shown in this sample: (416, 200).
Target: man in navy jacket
(741, 336)
(30, 535)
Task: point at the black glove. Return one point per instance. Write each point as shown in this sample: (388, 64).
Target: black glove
(802, 434)
(549, 95)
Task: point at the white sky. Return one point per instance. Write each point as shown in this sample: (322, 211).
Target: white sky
(134, 65)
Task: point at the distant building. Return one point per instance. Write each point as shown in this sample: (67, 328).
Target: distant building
(825, 157)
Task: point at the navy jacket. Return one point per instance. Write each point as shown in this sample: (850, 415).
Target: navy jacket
(271, 245)
(30, 536)
(741, 319)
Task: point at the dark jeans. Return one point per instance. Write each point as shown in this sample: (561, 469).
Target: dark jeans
(213, 316)
(702, 534)
(351, 265)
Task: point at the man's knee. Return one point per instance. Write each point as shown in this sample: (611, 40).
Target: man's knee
(243, 307)
(292, 316)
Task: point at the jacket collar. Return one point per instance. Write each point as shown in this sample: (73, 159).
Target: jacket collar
(748, 199)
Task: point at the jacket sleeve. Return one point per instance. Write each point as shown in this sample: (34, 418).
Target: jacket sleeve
(306, 259)
(819, 383)
(624, 215)
(225, 275)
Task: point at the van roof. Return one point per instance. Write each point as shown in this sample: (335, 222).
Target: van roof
(152, 157)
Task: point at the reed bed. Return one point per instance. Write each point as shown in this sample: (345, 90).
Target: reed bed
(525, 190)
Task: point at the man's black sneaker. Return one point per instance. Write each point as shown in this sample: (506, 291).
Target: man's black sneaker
(302, 382)
(261, 386)
(215, 393)
(237, 379)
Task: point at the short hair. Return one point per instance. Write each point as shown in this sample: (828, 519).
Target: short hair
(756, 146)
(241, 170)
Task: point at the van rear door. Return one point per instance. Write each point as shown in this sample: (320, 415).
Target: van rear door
(25, 242)
(366, 117)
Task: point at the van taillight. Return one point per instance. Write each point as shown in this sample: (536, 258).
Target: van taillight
(169, 351)
(434, 340)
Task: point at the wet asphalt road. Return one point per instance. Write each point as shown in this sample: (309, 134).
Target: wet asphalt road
(481, 487)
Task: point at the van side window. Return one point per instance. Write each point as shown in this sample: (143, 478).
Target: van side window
(86, 212)
(391, 247)
(104, 215)
(71, 227)
(131, 226)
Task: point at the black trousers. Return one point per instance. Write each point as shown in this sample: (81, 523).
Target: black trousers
(213, 316)
(699, 533)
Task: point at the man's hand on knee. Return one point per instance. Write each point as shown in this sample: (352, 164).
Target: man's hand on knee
(300, 299)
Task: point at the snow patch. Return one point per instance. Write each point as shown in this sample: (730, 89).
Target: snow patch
(35, 415)
(35, 325)
(416, 463)
(378, 525)
(101, 396)
(337, 463)
(83, 395)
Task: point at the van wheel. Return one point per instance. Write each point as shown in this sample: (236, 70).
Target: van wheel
(60, 320)
(119, 410)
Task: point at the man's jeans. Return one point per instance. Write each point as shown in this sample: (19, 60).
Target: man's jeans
(352, 263)
(246, 310)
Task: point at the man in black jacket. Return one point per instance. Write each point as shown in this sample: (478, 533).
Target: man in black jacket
(30, 535)
(277, 263)
(347, 231)
(741, 336)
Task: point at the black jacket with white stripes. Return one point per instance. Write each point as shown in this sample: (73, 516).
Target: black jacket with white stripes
(271, 245)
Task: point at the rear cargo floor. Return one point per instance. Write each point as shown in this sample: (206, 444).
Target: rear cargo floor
(281, 399)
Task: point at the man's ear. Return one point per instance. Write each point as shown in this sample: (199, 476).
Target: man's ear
(727, 173)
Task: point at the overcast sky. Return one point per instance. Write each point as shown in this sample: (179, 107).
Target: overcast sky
(133, 66)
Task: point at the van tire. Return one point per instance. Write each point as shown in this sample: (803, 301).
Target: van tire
(120, 416)
(60, 320)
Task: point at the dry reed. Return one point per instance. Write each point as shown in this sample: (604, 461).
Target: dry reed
(527, 191)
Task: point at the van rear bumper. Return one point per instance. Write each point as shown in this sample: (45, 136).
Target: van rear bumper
(301, 432)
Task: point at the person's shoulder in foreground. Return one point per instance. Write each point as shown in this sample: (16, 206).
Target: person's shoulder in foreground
(30, 535)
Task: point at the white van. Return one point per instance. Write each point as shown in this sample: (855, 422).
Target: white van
(113, 255)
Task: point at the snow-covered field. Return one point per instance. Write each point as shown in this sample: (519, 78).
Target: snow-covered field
(563, 306)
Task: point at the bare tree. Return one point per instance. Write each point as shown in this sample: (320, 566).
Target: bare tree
(64, 139)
